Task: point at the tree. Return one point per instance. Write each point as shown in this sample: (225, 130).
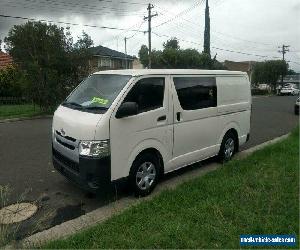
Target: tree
(268, 72)
(12, 82)
(171, 44)
(80, 55)
(173, 57)
(144, 55)
(207, 31)
(291, 72)
(49, 59)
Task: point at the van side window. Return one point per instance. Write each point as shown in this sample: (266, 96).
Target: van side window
(148, 93)
(196, 92)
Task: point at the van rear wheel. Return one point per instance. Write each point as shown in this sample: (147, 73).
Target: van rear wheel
(228, 147)
(144, 174)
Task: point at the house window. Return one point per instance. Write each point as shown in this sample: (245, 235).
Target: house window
(104, 62)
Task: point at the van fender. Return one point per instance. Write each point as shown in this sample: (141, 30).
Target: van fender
(144, 145)
(231, 125)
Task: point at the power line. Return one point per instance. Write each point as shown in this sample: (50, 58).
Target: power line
(180, 14)
(66, 23)
(73, 11)
(217, 48)
(72, 5)
(139, 29)
(214, 31)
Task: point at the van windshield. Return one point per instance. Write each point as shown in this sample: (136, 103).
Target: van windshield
(96, 93)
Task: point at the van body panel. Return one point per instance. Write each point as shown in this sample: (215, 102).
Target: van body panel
(195, 134)
(69, 127)
(143, 130)
(77, 124)
(180, 134)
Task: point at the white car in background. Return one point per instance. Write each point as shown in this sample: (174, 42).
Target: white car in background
(289, 89)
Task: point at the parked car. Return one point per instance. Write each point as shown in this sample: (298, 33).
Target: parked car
(136, 125)
(297, 106)
(289, 89)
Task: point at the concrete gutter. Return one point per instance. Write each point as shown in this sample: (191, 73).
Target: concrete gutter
(25, 118)
(103, 213)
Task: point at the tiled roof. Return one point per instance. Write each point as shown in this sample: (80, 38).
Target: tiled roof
(5, 60)
(104, 51)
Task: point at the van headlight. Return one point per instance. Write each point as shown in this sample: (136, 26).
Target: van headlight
(94, 148)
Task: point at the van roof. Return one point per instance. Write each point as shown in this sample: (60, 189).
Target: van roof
(140, 72)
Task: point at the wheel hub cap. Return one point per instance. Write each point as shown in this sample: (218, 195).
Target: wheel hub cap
(145, 175)
(229, 148)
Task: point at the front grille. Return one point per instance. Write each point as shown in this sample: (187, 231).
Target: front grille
(66, 161)
(66, 137)
(65, 144)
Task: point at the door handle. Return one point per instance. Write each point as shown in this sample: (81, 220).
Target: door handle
(178, 116)
(162, 118)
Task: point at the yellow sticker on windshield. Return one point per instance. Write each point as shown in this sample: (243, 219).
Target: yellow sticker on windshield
(99, 100)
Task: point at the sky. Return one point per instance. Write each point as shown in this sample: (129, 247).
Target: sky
(241, 30)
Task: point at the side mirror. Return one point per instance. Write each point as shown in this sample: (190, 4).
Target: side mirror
(127, 109)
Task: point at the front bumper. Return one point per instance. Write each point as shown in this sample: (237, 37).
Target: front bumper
(89, 174)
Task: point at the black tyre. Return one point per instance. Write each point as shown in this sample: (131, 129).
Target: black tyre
(144, 174)
(228, 147)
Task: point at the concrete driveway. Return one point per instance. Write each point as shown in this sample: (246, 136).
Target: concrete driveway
(25, 163)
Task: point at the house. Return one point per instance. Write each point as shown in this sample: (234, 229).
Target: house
(5, 60)
(104, 58)
(245, 66)
(137, 64)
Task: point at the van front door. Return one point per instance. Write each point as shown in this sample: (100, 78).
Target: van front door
(196, 126)
(151, 128)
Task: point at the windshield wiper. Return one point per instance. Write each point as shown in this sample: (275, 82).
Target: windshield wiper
(96, 108)
(72, 104)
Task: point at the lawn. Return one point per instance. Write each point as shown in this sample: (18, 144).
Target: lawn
(15, 111)
(256, 195)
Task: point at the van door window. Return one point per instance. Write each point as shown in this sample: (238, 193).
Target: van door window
(148, 93)
(196, 92)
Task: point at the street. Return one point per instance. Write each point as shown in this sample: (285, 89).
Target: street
(26, 167)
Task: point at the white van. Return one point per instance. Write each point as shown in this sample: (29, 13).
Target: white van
(136, 125)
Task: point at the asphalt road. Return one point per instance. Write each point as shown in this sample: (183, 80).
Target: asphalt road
(25, 162)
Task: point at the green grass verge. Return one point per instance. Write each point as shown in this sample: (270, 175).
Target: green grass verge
(256, 195)
(16, 111)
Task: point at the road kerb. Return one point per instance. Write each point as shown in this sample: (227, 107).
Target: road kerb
(103, 213)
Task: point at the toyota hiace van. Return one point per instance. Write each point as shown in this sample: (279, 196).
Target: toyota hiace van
(137, 125)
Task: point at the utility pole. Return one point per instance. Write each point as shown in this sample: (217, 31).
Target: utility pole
(149, 18)
(125, 40)
(284, 49)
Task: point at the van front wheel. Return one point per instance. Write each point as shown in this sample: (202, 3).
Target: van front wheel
(228, 147)
(144, 174)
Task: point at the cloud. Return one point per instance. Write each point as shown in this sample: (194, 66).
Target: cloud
(254, 27)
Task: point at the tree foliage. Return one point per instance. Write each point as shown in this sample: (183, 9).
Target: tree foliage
(268, 72)
(49, 60)
(143, 55)
(12, 82)
(172, 44)
(173, 57)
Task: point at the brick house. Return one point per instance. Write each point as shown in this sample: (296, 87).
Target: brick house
(104, 58)
(5, 60)
(245, 66)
